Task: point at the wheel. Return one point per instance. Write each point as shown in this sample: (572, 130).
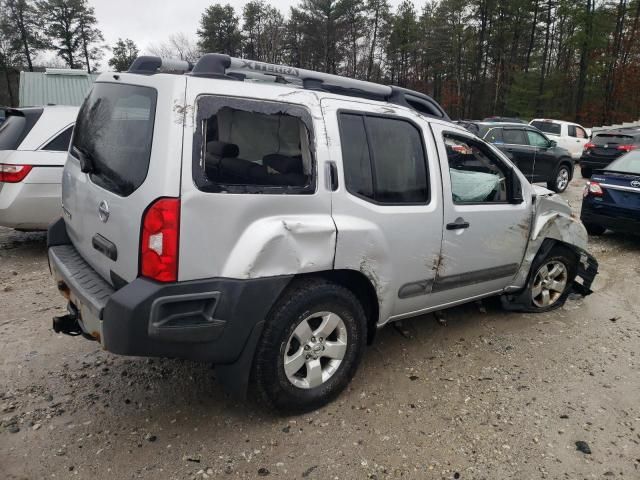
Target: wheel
(586, 172)
(593, 229)
(551, 281)
(310, 349)
(561, 181)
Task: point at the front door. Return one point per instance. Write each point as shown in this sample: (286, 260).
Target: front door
(386, 203)
(545, 161)
(485, 232)
(518, 150)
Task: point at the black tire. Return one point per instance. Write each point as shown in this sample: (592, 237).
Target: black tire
(297, 304)
(586, 172)
(570, 261)
(595, 230)
(556, 184)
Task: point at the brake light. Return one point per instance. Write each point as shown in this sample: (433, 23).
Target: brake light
(159, 240)
(589, 146)
(594, 189)
(14, 173)
(626, 148)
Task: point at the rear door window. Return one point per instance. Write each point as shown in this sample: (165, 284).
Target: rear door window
(114, 130)
(514, 136)
(548, 127)
(383, 159)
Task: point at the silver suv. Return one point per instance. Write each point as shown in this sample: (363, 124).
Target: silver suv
(269, 219)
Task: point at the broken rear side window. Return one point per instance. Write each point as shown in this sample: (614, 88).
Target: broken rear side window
(243, 150)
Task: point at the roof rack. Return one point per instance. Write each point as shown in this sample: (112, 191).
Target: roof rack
(217, 65)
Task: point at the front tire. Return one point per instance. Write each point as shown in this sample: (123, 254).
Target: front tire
(311, 346)
(561, 181)
(551, 280)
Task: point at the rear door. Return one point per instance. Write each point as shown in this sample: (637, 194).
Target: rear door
(387, 203)
(127, 135)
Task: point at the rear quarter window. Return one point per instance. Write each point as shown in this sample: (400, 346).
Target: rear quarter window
(115, 129)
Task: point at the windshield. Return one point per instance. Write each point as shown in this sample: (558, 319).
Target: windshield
(629, 163)
(547, 127)
(114, 131)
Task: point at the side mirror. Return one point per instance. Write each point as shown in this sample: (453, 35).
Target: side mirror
(553, 144)
(515, 188)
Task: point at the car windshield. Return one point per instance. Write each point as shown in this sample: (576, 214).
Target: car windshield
(547, 127)
(629, 163)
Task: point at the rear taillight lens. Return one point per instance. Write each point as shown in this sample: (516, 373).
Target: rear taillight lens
(589, 146)
(13, 173)
(626, 148)
(594, 189)
(159, 240)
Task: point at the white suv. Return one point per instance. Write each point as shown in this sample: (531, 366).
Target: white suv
(568, 135)
(33, 149)
(269, 219)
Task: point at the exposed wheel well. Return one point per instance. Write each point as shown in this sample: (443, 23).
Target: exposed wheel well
(361, 287)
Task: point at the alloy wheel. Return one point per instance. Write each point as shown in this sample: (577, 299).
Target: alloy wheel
(549, 284)
(315, 350)
(563, 179)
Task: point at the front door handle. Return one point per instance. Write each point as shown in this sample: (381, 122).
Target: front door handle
(457, 225)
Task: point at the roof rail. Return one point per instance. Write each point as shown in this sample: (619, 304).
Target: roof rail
(217, 65)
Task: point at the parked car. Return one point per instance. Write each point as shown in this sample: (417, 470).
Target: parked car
(605, 147)
(568, 135)
(540, 159)
(33, 148)
(504, 120)
(611, 198)
(272, 228)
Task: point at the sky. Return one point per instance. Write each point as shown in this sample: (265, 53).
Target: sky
(152, 21)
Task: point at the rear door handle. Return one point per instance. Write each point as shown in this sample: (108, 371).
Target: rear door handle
(457, 225)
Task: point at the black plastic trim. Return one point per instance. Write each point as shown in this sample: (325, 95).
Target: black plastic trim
(57, 233)
(472, 278)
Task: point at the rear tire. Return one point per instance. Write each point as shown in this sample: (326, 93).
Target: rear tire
(595, 230)
(311, 346)
(561, 180)
(551, 281)
(586, 172)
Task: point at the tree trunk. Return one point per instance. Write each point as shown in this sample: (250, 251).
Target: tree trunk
(584, 59)
(532, 37)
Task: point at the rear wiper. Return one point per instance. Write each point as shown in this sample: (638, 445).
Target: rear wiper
(86, 159)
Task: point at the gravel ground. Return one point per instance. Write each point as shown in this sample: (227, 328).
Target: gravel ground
(485, 395)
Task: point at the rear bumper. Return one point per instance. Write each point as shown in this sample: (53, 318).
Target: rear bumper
(595, 163)
(608, 219)
(210, 320)
(29, 206)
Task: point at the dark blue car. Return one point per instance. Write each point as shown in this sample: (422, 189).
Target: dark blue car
(611, 198)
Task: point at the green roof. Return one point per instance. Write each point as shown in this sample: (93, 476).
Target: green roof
(54, 87)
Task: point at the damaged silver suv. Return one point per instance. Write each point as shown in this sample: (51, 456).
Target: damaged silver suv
(269, 219)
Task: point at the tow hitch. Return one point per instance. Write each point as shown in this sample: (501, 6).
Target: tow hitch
(67, 324)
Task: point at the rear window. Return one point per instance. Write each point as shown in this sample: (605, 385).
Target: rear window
(629, 163)
(11, 132)
(548, 127)
(115, 130)
(605, 138)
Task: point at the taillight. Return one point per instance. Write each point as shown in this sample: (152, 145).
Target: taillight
(626, 148)
(159, 240)
(594, 189)
(589, 146)
(14, 173)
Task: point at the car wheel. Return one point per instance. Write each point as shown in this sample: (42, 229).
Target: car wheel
(586, 172)
(595, 230)
(561, 181)
(551, 280)
(312, 344)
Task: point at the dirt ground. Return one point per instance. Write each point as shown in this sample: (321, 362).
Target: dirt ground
(488, 395)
